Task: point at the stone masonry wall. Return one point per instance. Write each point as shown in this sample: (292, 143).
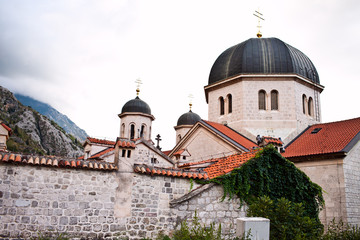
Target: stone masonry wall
(35, 198)
(352, 185)
(152, 213)
(210, 209)
(83, 203)
(329, 175)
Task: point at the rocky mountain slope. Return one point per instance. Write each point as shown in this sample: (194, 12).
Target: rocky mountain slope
(48, 111)
(34, 133)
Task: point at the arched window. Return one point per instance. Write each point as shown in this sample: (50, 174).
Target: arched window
(143, 131)
(311, 107)
(122, 134)
(262, 102)
(132, 131)
(274, 100)
(222, 107)
(304, 102)
(229, 99)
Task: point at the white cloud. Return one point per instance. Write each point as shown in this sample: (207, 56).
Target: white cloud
(82, 57)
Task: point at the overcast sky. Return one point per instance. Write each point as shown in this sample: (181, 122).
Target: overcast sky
(83, 56)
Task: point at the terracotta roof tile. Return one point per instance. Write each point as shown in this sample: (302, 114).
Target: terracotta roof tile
(167, 152)
(198, 163)
(179, 152)
(272, 140)
(101, 153)
(325, 138)
(155, 171)
(233, 135)
(51, 161)
(100, 141)
(227, 164)
(6, 127)
(125, 143)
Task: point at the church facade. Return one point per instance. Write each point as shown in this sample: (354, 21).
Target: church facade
(261, 91)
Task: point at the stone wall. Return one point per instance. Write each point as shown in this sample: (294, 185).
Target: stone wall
(210, 209)
(329, 175)
(88, 204)
(352, 184)
(35, 198)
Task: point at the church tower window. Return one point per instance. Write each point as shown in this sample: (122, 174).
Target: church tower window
(311, 107)
(132, 131)
(222, 106)
(143, 131)
(304, 102)
(274, 100)
(122, 130)
(262, 100)
(229, 99)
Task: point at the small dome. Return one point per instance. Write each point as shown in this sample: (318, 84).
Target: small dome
(264, 56)
(188, 118)
(136, 105)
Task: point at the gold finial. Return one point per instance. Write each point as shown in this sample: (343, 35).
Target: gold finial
(259, 16)
(190, 100)
(138, 83)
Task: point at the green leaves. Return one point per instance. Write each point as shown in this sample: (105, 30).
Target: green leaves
(288, 220)
(269, 174)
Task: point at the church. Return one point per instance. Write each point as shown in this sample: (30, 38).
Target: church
(261, 91)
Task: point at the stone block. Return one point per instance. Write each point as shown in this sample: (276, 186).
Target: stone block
(22, 203)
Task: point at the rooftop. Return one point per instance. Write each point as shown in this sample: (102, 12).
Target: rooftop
(325, 138)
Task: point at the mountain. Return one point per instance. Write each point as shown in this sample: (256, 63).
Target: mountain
(34, 133)
(48, 111)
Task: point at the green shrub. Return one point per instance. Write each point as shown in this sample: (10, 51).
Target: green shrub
(270, 174)
(287, 220)
(197, 231)
(340, 230)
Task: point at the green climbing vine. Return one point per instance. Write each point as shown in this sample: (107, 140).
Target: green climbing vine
(270, 174)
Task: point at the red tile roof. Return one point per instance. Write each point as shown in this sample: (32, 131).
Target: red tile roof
(227, 164)
(179, 152)
(171, 172)
(271, 140)
(325, 138)
(101, 153)
(6, 127)
(100, 141)
(167, 152)
(124, 143)
(233, 135)
(185, 165)
(220, 167)
(52, 161)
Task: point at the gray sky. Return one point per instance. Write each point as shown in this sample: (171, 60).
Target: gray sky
(83, 56)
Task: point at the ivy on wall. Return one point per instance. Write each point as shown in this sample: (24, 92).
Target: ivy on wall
(270, 174)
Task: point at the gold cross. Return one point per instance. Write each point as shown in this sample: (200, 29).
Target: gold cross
(259, 16)
(190, 100)
(138, 83)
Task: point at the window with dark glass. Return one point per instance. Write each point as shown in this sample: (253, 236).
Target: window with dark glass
(132, 131)
(222, 107)
(304, 103)
(262, 103)
(310, 107)
(274, 100)
(229, 98)
(142, 131)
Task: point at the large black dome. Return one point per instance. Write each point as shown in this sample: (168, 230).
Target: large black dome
(188, 118)
(262, 55)
(136, 105)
